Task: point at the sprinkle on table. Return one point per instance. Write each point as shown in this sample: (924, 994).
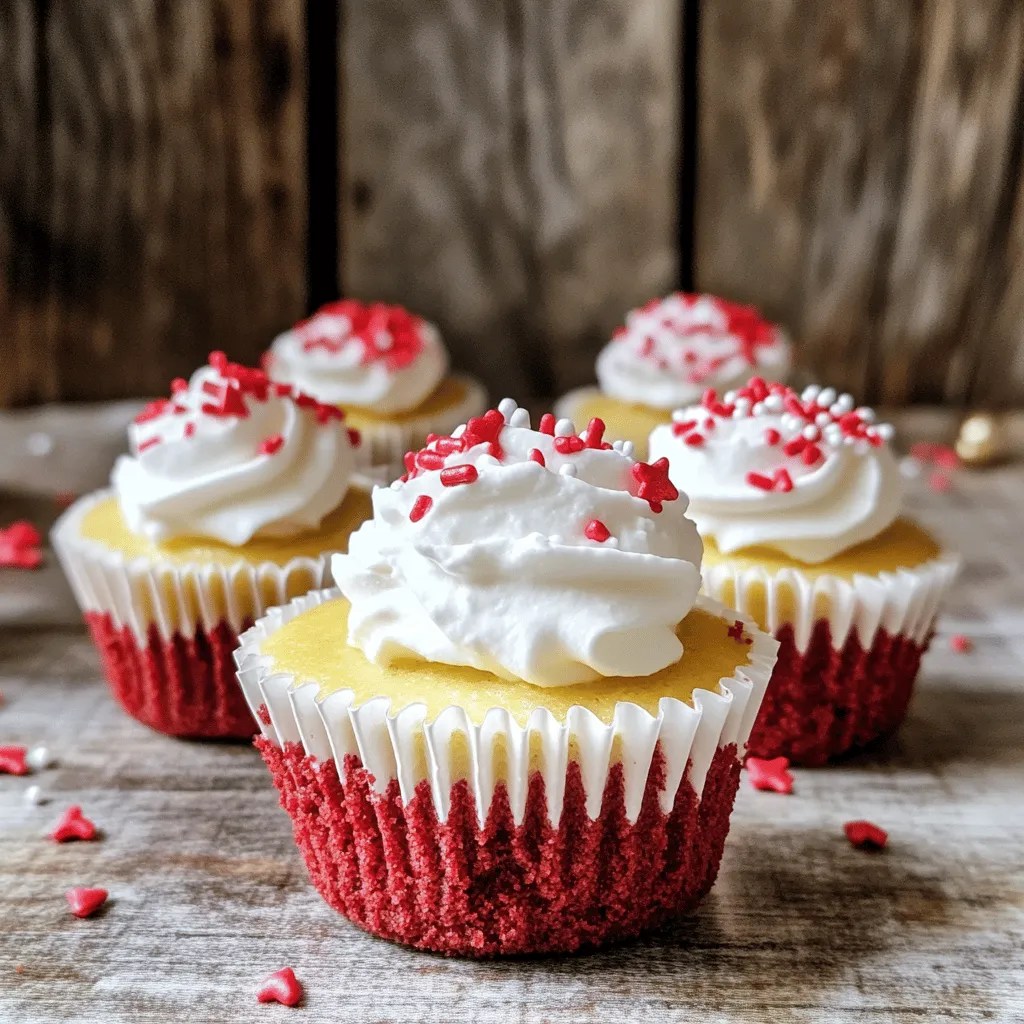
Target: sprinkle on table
(865, 835)
(20, 546)
(12, 761)
(73, 825)
(770, 774)
(85, 902)
(281, 987)
(939, 482)
(961, 644)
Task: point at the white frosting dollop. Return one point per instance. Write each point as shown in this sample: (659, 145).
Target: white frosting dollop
(538, 555)
(373, 356)
(672, 349)
(807, 475)
(230, 456)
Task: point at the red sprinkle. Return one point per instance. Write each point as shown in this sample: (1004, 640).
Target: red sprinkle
(961, 644)
(593, 436)
(428, 460)
(678, 429)
(772, 774)
(945, 457)
(178, 384)
(694, 440)
(810, 454)
(650, 481)
(939, 482)
(772, 436)
(569, 445)
(760, 481)
(547, 424)
(795, 446)
(596, 530)
(85, 902)
(263, 714)
(866, 836)
(271, 445)
(923, 450)
(455, 475)
(420, 507)
(782, 481)
(735, 631)
(536, 455)
(282, 390)
(190, 429)
(281, 987)
(12, 761)
(354, 437)
(150, 442)
(73, 825)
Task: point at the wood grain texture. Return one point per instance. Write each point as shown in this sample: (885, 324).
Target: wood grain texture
(208, 894)
(854, 166)
(509, 171)
(152, 189)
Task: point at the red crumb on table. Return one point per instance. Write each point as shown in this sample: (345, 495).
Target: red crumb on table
(939, 482)
(596, 530)
(771, 774)
(961, 644)
(12, 761)
(65, 499)
(73, 825)
(420, 507)
(19, 546)
(281, 987)
(85, 902)
(866, 836)
(271, 445)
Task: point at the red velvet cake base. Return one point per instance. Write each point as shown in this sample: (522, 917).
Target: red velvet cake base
(453, 888)
(185, 686)
(825, 702)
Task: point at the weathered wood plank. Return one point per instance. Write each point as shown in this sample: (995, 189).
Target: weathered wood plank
(509, 170)
(853, 164)
(152, 200)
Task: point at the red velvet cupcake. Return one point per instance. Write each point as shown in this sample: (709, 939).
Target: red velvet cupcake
(798, 498)
(235, 491)
(515, 728)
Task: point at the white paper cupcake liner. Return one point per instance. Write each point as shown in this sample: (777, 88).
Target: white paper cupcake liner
(385, 444)
(903, 603)
(391, 744)
(176, 597)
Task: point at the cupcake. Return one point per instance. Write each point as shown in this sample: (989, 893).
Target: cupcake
(386, 367)
(515, 727)
(234, 491)
(669, 352)
(799, 499)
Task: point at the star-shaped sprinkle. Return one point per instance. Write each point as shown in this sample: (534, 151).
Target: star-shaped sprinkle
(85, 902)
(12, 761)
(19, 546)
(281, 987)
(651, 483)
(771, 774)
(73, 825)
(866, 836)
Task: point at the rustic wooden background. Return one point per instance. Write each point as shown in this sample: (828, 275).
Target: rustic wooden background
(522, 171)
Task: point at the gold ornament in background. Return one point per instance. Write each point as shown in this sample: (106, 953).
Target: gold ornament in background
(981, 440)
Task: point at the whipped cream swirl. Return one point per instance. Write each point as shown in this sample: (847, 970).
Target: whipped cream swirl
(540, 555)
(672, 349)
(808, 475)
(231, 456)
(373, 356)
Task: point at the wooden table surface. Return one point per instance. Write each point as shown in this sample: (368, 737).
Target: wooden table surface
(208, 894)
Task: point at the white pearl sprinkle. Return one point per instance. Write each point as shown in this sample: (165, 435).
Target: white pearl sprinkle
(886, 431)
(729, 397)
(679, 415)
(810, 393)
(520, 418)
(459, 430)
(811, 432)
(758, 409)
(34, 796)
(739, 413)
(39, 759)
(612, 542)
(628, 448)
(39, 443)
(866, 414)
(833, 434)
(827, 397)
(823, 419)
(849, 440)
(506, 407)
(774, 403)
(567, 470)
(565, 428)
(395, 485)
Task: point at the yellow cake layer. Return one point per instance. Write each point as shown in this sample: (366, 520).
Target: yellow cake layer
(622, 421)
(314, 647)
(449, 394)
(105, 524)
(904, 545)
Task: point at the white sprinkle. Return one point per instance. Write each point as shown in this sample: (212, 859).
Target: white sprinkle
(729, 397)
(506, 407)
(866, 414)
(555, 538)
(833, 433)
(773, 403)
(845, 403)
(811, 392)
(886, 431)
(34, 796)
(739, 413)
(811, 432)
(395, 485)
(39, 444)
(790, 421)
(459, 430)
(40, 758)
(758, 409)
(612, 542)
(743, 403)
(910, 467)
(565, 428)
(566, 470)
(827, 397)
(850, 440)
(679, 415)
(617, 446)
(627, 448)
(823, 419)
(520, 418)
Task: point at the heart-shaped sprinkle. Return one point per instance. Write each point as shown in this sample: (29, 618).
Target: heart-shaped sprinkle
(85, 902)
(281, 987)
(73, 825)
(770, 774)
(866, 836)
